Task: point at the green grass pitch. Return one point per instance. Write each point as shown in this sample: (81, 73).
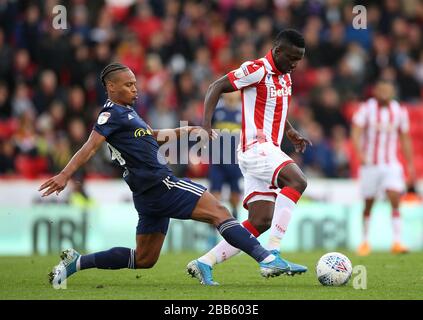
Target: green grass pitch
(388, 277)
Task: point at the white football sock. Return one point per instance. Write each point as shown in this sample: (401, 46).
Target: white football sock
(396, 226)
(281, 218)
(221, 252)
(366, 229)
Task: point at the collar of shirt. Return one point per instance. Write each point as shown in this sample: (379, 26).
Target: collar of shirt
(118, 104)
(269, 58)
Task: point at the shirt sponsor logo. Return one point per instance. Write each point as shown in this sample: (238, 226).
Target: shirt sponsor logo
(141, 132)
(285, 91)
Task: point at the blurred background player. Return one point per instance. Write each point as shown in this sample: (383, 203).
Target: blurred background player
(225, 171)
(227, 119)
(377, 125)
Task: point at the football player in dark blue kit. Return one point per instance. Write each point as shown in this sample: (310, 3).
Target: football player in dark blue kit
(158, 195)
(227, 119)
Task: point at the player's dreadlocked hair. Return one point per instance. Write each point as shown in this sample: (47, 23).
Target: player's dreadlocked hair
(110, 69)
(290, 36)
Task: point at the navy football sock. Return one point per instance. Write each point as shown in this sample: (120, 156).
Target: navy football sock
(114, 258)
(240, 238)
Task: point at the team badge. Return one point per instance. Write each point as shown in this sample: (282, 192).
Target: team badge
(103, 117)
(239, 73)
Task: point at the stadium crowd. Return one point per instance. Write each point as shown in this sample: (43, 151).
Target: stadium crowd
(50, 92)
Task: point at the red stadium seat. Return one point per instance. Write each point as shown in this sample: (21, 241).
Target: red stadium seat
(416, 132)
(30, 167)
(7, 128)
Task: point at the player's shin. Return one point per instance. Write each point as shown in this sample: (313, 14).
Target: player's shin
(114, 258)
(284, 206)
(396, 225)
(238, 237)
(223, 250)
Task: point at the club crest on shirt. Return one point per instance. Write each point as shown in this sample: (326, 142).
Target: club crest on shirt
(239, 73)
(103, 117)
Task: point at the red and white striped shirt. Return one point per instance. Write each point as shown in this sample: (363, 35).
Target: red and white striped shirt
(266, 94)
(381, 126)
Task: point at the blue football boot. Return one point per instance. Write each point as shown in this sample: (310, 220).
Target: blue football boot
(65, 268)
(274, 268)
(293, 267)
(202, 272)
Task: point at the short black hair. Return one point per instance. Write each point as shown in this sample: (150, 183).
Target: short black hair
(109, 70)
(290, 36)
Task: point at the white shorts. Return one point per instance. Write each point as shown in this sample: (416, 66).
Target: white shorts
(260, 166)
(376, 179)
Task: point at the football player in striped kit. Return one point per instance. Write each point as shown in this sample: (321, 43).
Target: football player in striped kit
(377, 125)
(273, 183)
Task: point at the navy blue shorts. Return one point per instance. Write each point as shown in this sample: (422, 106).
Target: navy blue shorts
(220, 174)
(172, 198)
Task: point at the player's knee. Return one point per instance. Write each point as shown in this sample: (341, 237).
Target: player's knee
(222, 214)
(296, 181)
(299, 184)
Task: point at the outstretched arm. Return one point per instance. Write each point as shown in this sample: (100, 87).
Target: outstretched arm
(300, 143)
(222, 85)
(58, 182)
(356, 135)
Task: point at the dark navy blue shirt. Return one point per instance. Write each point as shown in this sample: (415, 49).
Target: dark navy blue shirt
(228, 121)
(132, 145)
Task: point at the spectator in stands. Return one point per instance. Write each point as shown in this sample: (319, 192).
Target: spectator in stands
(5, 105)
(181, 47)
(47, 91)
(21, 100)
(7, 157)
(327, 110)
(5, 59)
(319, 160)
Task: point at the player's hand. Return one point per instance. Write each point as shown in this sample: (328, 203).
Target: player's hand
(363, 160)
(411, 173)
(300, 143)
(57, 183)
(212, 134)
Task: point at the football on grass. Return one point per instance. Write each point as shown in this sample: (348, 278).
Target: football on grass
(333, 269)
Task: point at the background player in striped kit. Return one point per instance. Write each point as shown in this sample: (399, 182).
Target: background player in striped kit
(376, 127)
(273, 183)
